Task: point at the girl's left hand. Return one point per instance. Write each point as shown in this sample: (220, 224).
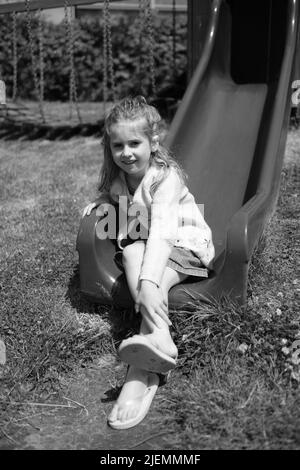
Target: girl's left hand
(88, 209)
(150, 303)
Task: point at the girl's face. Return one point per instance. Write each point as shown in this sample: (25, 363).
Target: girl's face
(131, 148)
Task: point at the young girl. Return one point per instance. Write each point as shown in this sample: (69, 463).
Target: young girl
(173, 242)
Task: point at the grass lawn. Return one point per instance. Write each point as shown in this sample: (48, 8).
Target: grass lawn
(237, 383)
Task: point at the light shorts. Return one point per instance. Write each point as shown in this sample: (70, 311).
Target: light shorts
(181, 260)
(186, 262)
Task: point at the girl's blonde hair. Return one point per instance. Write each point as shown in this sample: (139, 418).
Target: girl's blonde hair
(130, 109)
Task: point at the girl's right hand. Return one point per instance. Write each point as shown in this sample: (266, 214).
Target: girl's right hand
(88, 209)
(150, 303)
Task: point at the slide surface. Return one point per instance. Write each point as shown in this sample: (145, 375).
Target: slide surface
(230, 132)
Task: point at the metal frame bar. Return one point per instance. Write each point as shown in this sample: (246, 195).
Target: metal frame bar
(42, 4)
(49, 4)
(134, 6)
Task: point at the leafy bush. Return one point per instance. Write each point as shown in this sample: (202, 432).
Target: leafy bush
(130, 55)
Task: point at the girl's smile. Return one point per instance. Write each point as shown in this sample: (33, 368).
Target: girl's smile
(131, 148)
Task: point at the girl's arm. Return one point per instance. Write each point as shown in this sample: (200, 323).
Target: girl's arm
(162, 235)
(151, 304)
(163, 228)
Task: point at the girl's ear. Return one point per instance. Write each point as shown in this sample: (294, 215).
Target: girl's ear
(154, 143)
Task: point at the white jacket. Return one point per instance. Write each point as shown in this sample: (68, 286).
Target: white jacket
(168, 218)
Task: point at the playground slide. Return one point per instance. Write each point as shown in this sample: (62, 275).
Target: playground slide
(231, 130)
(229, 133)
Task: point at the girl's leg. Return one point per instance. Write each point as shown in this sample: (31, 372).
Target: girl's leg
(137, 380)
(161, 337)
(132, 260)
(133, 256)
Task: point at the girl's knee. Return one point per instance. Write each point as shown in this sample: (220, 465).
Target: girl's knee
(133, 252)
(170, 279)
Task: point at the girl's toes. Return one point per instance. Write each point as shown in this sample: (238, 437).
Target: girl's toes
(113, 416)
(131, 413)
(123, 415)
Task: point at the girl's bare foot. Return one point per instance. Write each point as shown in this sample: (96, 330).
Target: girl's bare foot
(162, 340)
(130, 400)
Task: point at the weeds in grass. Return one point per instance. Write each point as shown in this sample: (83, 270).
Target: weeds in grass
(225, 331)
(241, 387)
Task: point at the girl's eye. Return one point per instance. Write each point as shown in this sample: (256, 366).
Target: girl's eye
(134, 143)
(117, 146)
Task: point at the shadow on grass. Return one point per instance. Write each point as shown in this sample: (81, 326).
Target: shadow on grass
(123, 322)
(11, 130)
(111, 394)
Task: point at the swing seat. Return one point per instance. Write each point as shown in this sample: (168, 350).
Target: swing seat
(229, 134)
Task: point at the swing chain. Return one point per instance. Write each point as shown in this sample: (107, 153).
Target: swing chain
(41, 54)
(150, 33)
(174, 37)
(34, 68)
(105, 77)
(141, 20)
(108, 55)
(15, 56)
(73, 96)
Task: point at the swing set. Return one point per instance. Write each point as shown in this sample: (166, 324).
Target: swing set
(13, 112)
